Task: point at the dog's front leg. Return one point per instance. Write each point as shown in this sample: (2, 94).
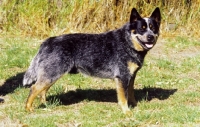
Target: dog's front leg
(133, 68)
(131, 97)
(122, 95)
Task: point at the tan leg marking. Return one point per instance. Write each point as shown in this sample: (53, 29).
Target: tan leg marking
(122, 100)
(43, 95)
(35, 90)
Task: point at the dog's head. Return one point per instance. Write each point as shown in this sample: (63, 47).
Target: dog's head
(144, 31)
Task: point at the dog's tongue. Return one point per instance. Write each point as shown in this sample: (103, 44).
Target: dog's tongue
(149, 45)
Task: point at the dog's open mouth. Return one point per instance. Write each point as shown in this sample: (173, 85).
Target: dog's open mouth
(146, 45)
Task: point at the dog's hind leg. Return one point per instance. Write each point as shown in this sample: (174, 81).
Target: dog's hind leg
(46, 78)
(36, 89)
(43, 95)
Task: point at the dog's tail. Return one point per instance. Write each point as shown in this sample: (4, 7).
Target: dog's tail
(31, 74)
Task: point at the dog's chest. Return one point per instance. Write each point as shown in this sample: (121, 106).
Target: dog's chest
(132, 67)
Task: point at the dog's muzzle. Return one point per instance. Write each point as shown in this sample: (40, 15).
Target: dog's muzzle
(149, 43)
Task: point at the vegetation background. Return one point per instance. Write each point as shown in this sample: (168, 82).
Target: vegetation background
(52, 17)
(167, 87)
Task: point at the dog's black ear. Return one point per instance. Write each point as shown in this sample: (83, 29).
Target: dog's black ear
(134, 15)
(156, 15)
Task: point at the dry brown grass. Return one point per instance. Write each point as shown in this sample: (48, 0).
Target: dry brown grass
(54, 17)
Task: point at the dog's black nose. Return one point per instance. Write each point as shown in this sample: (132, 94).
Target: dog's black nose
(150, 38)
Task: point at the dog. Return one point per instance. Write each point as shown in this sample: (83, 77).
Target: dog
(117, 54)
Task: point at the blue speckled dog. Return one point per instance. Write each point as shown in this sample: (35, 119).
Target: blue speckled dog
(116, 54)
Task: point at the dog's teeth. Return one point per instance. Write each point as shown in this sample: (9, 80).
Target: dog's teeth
(149, 45)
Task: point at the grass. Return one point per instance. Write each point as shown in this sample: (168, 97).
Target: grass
(167, 90)
(45, 18)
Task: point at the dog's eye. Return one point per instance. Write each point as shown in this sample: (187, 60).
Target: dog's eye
(142, 28)
(152, 28)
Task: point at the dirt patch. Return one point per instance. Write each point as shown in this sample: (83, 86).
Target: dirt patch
(158, 49)
(7, 122)
(184, 54)
(161, 51)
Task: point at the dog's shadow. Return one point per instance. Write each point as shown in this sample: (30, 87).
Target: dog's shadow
(105, 95)
(11, 84)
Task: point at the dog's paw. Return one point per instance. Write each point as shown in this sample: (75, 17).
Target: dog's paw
(128, 112)
(29, 108)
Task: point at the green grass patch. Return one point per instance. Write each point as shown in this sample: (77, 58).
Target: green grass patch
(166, 88)
(181, 43)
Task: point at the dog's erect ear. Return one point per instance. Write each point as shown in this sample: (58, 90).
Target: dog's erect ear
(156, 15)
(134, 15)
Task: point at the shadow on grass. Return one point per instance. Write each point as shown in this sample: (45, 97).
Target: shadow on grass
(11, 84)
(72, 97)
(79, 95)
